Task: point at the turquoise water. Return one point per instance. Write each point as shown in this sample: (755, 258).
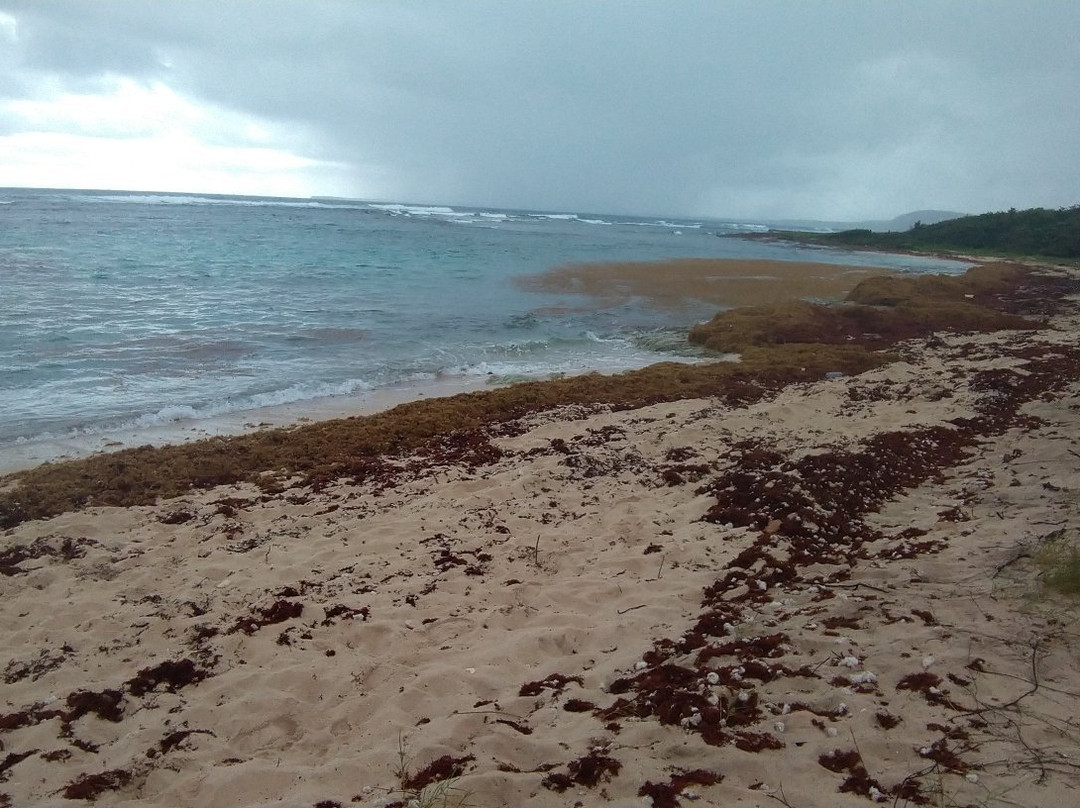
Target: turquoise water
(122, 310)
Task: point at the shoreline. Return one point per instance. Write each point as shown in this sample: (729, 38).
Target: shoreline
(825, 595)
(671, 284)
(31, 453)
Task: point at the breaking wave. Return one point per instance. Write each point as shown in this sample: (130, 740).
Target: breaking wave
(179, 199)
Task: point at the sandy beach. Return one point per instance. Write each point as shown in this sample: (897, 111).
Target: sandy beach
(830, 594)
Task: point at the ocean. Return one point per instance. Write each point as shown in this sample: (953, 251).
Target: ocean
(131, 316)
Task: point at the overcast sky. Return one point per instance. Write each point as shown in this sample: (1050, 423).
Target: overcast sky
(830, 110)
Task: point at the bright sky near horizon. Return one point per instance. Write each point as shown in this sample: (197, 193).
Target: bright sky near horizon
(743, 109)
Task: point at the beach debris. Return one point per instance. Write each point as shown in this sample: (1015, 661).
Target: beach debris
(174, 674)
(47, 660)
(578, 706)
(277, 612)
(91, 786)
(444, 768)
(64, 548)
(555, 682)
(588, 770)
(178, 516)
(344, 612)
(174, 740)
(666, 795)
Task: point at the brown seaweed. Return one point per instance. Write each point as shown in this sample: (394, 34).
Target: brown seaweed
(174, 674)
(277, 612)
(665, 795)
(446, 767)
(588, 770)
(555, 682)
(91, 786)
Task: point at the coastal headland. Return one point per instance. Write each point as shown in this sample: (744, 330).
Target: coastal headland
(816, 576)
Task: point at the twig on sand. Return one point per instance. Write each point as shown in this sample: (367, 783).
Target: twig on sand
(854, 586)
(1003, 566)
(782, 799)
(1034, 686)
(900, 787)
(631, 608)
(660, 571)
(1034, 757)
(491, 712)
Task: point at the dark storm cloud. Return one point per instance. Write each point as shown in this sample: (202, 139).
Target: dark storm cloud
(828, 110)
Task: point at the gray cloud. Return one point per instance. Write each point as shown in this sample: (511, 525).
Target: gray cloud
(845, 109)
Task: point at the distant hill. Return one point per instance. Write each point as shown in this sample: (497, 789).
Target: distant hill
(1033, 232)
(902, 222)
(906, 221)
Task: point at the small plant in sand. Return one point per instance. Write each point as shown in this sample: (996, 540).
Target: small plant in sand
(437, 795)
(434, 786)
(1059, 559)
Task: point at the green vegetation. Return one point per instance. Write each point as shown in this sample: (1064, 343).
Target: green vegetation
(1037, 232)
(1059, 560)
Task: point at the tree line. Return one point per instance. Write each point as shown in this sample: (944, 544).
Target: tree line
(1033, 232)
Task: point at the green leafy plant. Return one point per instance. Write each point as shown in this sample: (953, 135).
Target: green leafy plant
(1059, 560)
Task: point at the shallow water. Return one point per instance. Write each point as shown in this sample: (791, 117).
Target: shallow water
(132, 312)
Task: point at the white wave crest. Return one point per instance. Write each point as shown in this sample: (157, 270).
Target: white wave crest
(173, 414)
(398, 209)
(754, 228)
(177, 199)
(593, 337)
(665, 223)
